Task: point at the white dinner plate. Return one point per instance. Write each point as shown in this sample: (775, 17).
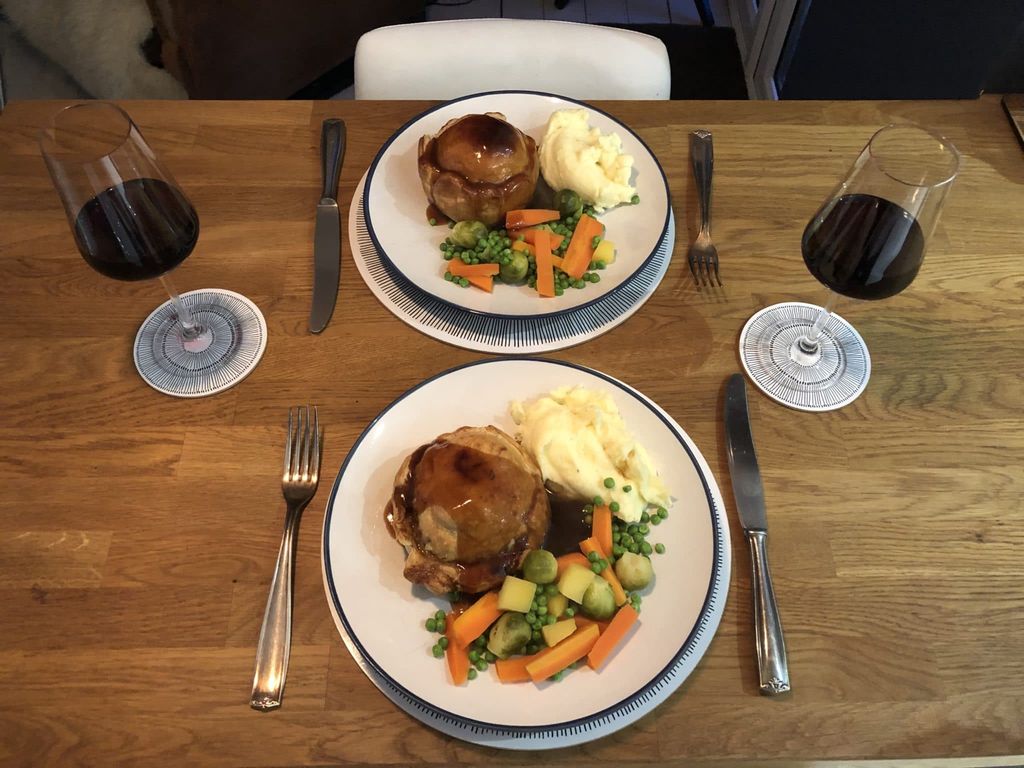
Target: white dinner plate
(395, 208)
(381, 615)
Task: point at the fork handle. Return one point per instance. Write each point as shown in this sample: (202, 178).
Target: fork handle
(702, 155)
(275, 641)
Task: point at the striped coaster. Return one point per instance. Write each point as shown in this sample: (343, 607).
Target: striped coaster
(835, 380)
(234, 344)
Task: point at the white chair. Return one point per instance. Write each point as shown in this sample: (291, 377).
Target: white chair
(448, 59)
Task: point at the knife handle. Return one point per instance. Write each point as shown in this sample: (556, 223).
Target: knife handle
(773, 669)
(330, 155)
(702, 157)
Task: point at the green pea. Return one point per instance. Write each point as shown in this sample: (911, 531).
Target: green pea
(645, 518)
(448, 276)
(614, 506)
(556, 677)
(609, 482)
(531, 618)
(431, 624)
(635, 200)
(531, 649)
(491, 658)
(438, 651)
(433, 221)
(646, 548)
(439, 616)
(655, 521)
(559, 291)
(443, 642)
(542, 612)
(481, 665)
(472, 674)
(599, 264)
(595, 567)
(627, 488)
(474, 655)
(536, 635)
(588, 519)
(598, 501)
(659, 548)
(551, 590)
(464, 282)
(542, 600)
(616, 537)
(570, 612)
(588, 509)
(644, 530)
(480, 642)
(662, 513)
(593, 557)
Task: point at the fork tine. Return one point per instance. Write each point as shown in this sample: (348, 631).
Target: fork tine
(297, 447)
(693, 268)
(307, 444)
(718, 278)
(288, 446)
(315, 469)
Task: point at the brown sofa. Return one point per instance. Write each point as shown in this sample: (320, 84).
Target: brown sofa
(265, 49)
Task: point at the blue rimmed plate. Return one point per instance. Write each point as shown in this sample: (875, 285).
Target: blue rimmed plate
(395, 208)
(380, 615)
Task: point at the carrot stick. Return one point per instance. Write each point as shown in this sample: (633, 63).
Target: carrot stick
(459, 268)
(581, 251)
(530, 235)
(529, 217)
(475, 621)
(522, 245)
(602, 527)
(458, 658)
(624, 618)
(591, 545)
(573, 648)
(545, 269)
(558, 262)
(486, 283)
(573, 557)
(513, 670)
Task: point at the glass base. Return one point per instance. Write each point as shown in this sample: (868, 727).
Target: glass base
(825, 379)
(232, 342)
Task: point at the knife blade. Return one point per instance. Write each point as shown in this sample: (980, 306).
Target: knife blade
(747, 489)
(327, 235)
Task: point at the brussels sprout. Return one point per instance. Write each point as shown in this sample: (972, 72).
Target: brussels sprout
(468, 233)
(634, 571)
(509, 635)
(516, 269)
(568, 203)
(599, 600)
(540, 567)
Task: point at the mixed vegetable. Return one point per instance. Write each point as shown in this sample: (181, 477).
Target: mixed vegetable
(559, 612)
(550, 250)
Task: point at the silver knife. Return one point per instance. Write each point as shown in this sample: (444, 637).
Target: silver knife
(773, 669)
(327, 238)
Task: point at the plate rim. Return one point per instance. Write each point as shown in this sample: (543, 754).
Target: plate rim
(405, 126)
(626, 704)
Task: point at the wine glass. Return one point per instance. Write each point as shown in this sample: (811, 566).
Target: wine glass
(867, 241)
(131, 221)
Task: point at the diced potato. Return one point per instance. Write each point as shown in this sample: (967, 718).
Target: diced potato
(605, 252)
(557, 632)
(557, 605)
(574, 582)
(516, 595)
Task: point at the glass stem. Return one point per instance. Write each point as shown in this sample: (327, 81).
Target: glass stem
(189, 328)
(809, 342)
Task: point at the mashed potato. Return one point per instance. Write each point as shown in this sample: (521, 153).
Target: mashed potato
(575, 156)
(578, 439)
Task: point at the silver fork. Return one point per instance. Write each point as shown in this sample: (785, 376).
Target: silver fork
(298, 484)
(703, 254)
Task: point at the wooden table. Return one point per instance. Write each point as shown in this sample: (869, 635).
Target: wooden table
(138, 532)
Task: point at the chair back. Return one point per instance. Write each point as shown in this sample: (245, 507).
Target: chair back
(448, 59)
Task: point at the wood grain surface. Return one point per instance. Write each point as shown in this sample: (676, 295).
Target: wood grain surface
(138, 532)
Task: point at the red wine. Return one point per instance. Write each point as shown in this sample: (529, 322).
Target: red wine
(136, 230)
(864, 247)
